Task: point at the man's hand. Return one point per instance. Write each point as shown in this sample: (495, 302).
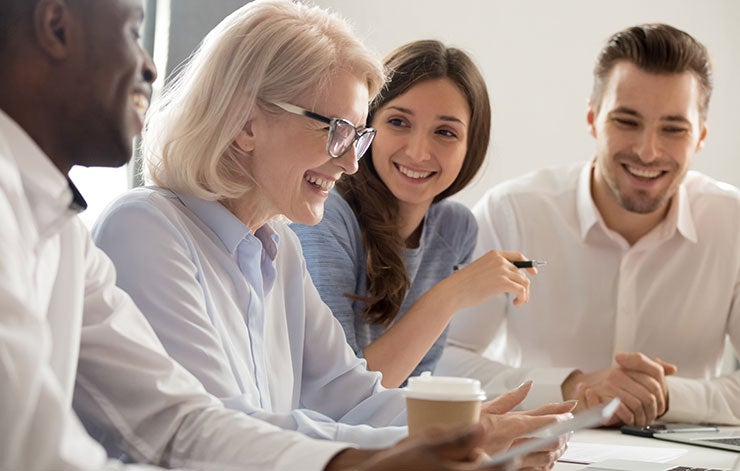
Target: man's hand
(503, 427)
(436, 450)
(637, 380)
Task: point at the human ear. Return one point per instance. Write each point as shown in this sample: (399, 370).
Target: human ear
(591, 119)
(245, 139)
(702, 137)
(51, 22)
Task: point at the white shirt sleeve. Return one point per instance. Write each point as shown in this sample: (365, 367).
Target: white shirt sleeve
(33, 413)
(719, 395)
(40, 431)
(474, 330)
(497, 378)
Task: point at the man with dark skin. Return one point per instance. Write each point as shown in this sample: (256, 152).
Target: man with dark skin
(74, 87)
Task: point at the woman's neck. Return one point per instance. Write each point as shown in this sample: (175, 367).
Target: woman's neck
(410, 219)
(250, 209)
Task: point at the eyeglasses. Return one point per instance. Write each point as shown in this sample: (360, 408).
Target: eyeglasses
(342, 133)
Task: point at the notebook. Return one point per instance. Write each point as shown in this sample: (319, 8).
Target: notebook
(593, 417)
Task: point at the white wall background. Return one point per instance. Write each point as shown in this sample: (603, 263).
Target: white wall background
(537, 57)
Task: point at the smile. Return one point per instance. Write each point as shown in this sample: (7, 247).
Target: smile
(642, 173)
(412, 173)
(140, 103)
(324, 184)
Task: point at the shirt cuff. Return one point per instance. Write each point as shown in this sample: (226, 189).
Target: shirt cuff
(698, 400)
(685, 400)
(311, 454)
(371, 437)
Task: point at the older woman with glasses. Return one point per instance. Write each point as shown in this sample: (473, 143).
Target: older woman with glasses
(266, 117)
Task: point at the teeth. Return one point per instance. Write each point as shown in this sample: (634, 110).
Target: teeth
(140, 102)
(643, 173)
(325, 185)
(412, 174)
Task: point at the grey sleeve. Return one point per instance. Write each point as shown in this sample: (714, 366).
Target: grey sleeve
(333, 251)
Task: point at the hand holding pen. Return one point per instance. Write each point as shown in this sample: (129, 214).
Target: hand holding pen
(494, 273)
(517, 263)
(529, 263)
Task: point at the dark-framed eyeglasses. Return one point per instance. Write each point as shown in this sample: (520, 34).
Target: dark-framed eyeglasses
(342, 133)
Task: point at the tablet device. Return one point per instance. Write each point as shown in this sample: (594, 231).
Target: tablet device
(593, 417)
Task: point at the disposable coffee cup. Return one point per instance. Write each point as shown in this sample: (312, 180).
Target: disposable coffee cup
(442, 401)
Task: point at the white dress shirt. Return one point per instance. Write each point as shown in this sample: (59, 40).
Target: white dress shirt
(672, 295)
(66, 329)
(240, 312)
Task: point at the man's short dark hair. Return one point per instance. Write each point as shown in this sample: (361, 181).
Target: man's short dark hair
(12, 13)
(656, 48)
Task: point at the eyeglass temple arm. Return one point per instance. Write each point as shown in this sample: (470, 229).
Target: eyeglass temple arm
(300, 111)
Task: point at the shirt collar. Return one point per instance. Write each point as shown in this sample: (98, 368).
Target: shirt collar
(78, 203)
(219, 219)
(588, 215)
(678, 218)
(229, 229)
(684, 219)
(52, 196)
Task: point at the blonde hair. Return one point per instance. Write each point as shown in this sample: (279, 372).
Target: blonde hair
(266, 51)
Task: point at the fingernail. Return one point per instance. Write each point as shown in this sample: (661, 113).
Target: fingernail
(564, 417)
(524, 384)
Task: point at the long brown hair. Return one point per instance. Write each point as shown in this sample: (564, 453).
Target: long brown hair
(373, 203)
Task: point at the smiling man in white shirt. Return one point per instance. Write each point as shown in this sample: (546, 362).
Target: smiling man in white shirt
(643, 274)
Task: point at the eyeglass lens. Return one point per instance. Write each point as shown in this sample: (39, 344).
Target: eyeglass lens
(343, 137)
(363, 143)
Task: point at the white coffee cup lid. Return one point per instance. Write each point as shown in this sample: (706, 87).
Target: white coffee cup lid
(444, 388)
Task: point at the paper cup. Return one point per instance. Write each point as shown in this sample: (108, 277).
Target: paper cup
(442, 401)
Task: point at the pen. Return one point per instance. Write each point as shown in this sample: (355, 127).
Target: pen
(529, 263)
(517, 263)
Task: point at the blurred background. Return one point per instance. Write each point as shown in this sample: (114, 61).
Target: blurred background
(536, 56)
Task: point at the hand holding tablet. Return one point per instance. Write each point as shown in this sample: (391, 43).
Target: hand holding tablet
(593, 417)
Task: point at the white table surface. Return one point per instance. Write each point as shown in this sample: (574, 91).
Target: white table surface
(694, 456)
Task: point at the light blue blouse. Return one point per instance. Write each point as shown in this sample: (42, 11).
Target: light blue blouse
(241, 313)
(336, 260)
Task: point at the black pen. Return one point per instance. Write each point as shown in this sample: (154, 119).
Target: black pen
(529, 263)
(517, 263)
